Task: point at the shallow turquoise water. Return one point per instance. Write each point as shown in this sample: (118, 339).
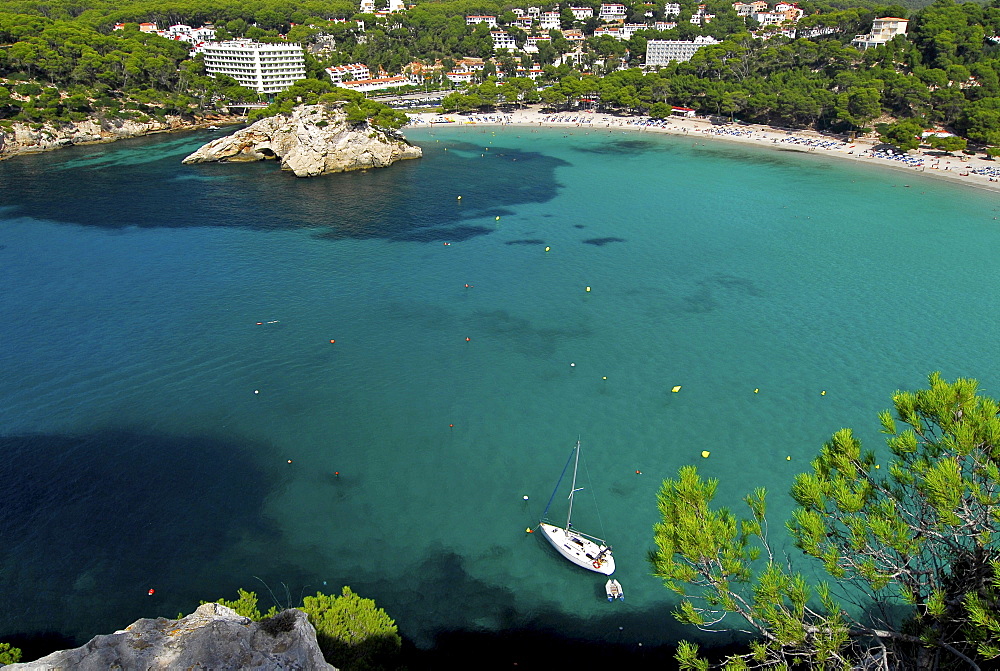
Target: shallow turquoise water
(149, 421)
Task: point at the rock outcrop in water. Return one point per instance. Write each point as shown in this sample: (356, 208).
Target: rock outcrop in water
(312, 140)
(212, 637)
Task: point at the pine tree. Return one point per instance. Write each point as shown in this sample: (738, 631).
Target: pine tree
(916, 544)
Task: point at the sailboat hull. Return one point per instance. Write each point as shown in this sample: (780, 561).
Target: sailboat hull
(579, 549)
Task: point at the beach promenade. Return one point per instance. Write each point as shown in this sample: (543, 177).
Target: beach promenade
(975, 171)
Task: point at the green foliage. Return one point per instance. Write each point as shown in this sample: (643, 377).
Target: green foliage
(9, 654)
(903, 134)
(353, 633)
(948, 144)
(246, 605)
(359, 109)
(922, 532)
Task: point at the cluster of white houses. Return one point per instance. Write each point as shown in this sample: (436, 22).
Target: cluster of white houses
(272, 68)
(178, 31)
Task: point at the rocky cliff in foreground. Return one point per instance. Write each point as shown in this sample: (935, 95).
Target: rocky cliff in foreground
(312, 140)
(212, 637)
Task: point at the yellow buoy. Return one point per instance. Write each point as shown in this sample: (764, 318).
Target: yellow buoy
(498, 217)
(528, 530)
(876, 465)
(460, 198)
(605, 377)
(788, 458)
(705, 453)
(823, 393)
(547, 248)
(588, 289)
(756, 390)
(676, 389)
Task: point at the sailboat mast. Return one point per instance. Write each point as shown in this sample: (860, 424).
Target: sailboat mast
(572, 489)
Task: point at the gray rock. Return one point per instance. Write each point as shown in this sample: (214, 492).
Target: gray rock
(23, 138)
(313, 140)
(213, 637)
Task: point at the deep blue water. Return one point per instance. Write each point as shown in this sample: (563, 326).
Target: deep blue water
(147, 421)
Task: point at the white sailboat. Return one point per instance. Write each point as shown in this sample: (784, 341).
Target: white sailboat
(584, 550)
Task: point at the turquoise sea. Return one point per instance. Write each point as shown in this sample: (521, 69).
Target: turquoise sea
(174, 414)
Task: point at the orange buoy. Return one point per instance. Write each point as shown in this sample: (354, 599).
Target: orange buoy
(260, 323)
(468, 340)
(152, 592)
(451, 426)
(332, 341)
(638, 472)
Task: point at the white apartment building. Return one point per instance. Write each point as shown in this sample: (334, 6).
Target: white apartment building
(662, 52)
(883, 30)
(613, 12)
(608, 32)
(523, 22)
(352, 72)
(672, 9)
(491, 21)
(664, 25)
(768, 18)
(742, 8)
(531, 44)
(630, 29)
(549, 21)
(266, 68)
(503, 40)
(582, 13)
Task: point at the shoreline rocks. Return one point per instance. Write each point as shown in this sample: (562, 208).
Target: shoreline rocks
(26, 138)
(212, 637)
(313, 140)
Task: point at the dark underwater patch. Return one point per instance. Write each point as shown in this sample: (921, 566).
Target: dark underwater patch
(92, 522)
(623, 146)
(530, 241)
(600, 242)
(413, 201)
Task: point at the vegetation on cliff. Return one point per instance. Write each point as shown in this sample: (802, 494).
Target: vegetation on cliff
(312, 91)
(911, 547)
(353, 633)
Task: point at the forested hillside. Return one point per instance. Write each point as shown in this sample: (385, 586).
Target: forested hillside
(63, 60)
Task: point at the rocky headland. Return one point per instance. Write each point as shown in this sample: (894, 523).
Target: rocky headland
(212, 637)
(312, 140)
(24, 138)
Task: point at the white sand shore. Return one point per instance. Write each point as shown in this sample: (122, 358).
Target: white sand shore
(972, 171)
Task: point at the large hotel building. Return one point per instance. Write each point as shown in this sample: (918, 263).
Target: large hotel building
(266, 68)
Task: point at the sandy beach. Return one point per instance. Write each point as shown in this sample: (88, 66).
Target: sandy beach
(974, 171)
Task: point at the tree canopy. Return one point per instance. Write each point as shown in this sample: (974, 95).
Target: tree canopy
(912, 548)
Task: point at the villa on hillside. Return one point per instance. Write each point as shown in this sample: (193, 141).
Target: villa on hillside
(352, 72)
(491, 21)
(883, 30)
(613, 12)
